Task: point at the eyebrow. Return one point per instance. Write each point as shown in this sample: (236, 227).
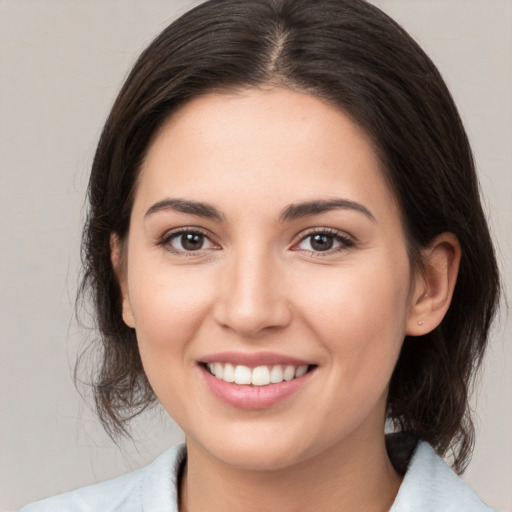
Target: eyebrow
(291, 212)
(185, 206)
(307, 208)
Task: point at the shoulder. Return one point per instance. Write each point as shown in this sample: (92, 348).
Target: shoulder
(429, 484)
(153, 488)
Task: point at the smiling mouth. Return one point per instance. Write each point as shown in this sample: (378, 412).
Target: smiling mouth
(259, 376)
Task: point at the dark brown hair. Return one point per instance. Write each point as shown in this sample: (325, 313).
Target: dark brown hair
(353, 55)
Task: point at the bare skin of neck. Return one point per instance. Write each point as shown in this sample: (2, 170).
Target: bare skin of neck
(359, 479)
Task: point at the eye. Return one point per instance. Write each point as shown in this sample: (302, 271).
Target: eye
(323, 241)
(185, 241)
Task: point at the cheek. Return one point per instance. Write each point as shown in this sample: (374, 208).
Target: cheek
(168, 305)
(169, 308)
(359, 314)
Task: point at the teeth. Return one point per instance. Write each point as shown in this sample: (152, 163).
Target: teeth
(229, 373)
(289, 373)
(301, 370)
(276, 375)
(219, 370)
(259, 376)
(242, 374)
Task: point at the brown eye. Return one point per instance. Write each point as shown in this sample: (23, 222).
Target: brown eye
(324, 241)
(189, 241)
(321, 242)
(192, 241)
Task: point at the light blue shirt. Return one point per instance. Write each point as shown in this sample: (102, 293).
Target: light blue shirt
(429, 485)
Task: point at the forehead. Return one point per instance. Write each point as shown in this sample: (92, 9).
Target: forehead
(261, 143)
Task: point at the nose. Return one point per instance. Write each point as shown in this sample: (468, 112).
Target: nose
(252, 298)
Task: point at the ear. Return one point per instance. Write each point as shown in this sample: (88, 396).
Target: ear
(119, 265)
(434, 285)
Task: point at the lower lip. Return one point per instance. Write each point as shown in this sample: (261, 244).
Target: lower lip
(253, 397)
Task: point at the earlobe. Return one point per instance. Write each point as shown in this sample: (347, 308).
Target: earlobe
(119, 266)
(433, 287)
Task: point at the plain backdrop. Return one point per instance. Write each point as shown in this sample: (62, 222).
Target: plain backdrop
(61, 64)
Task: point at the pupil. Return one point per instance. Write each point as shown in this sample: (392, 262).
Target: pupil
(321, 242)
(192, 241)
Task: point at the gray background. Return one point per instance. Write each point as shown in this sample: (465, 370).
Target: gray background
(61, 64)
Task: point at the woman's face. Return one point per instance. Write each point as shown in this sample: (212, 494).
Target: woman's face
(264, 246)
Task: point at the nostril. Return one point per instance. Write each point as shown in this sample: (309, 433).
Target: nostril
(250, 319)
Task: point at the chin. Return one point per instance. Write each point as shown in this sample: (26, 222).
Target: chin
(270, 458)
(255, 452)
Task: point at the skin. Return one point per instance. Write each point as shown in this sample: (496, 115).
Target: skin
(257, 284)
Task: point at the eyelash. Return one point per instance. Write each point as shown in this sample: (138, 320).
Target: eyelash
(167, 239)
(344, 241)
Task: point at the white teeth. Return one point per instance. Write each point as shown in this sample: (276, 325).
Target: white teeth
(259, 376)
(229, 373)
(289, 373)
(300, 371)
(242, 375)
(219, 370)
(276, 375)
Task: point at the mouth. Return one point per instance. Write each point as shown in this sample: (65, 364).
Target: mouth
(264, 375)
(255, 380)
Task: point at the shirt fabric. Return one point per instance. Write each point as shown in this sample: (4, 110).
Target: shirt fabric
(429, 485)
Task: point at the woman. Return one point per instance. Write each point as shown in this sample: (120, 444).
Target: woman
(286, 247)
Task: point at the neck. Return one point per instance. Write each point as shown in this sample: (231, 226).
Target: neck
(359, 478)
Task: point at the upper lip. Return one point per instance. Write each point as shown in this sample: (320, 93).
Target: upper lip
(252, 360)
